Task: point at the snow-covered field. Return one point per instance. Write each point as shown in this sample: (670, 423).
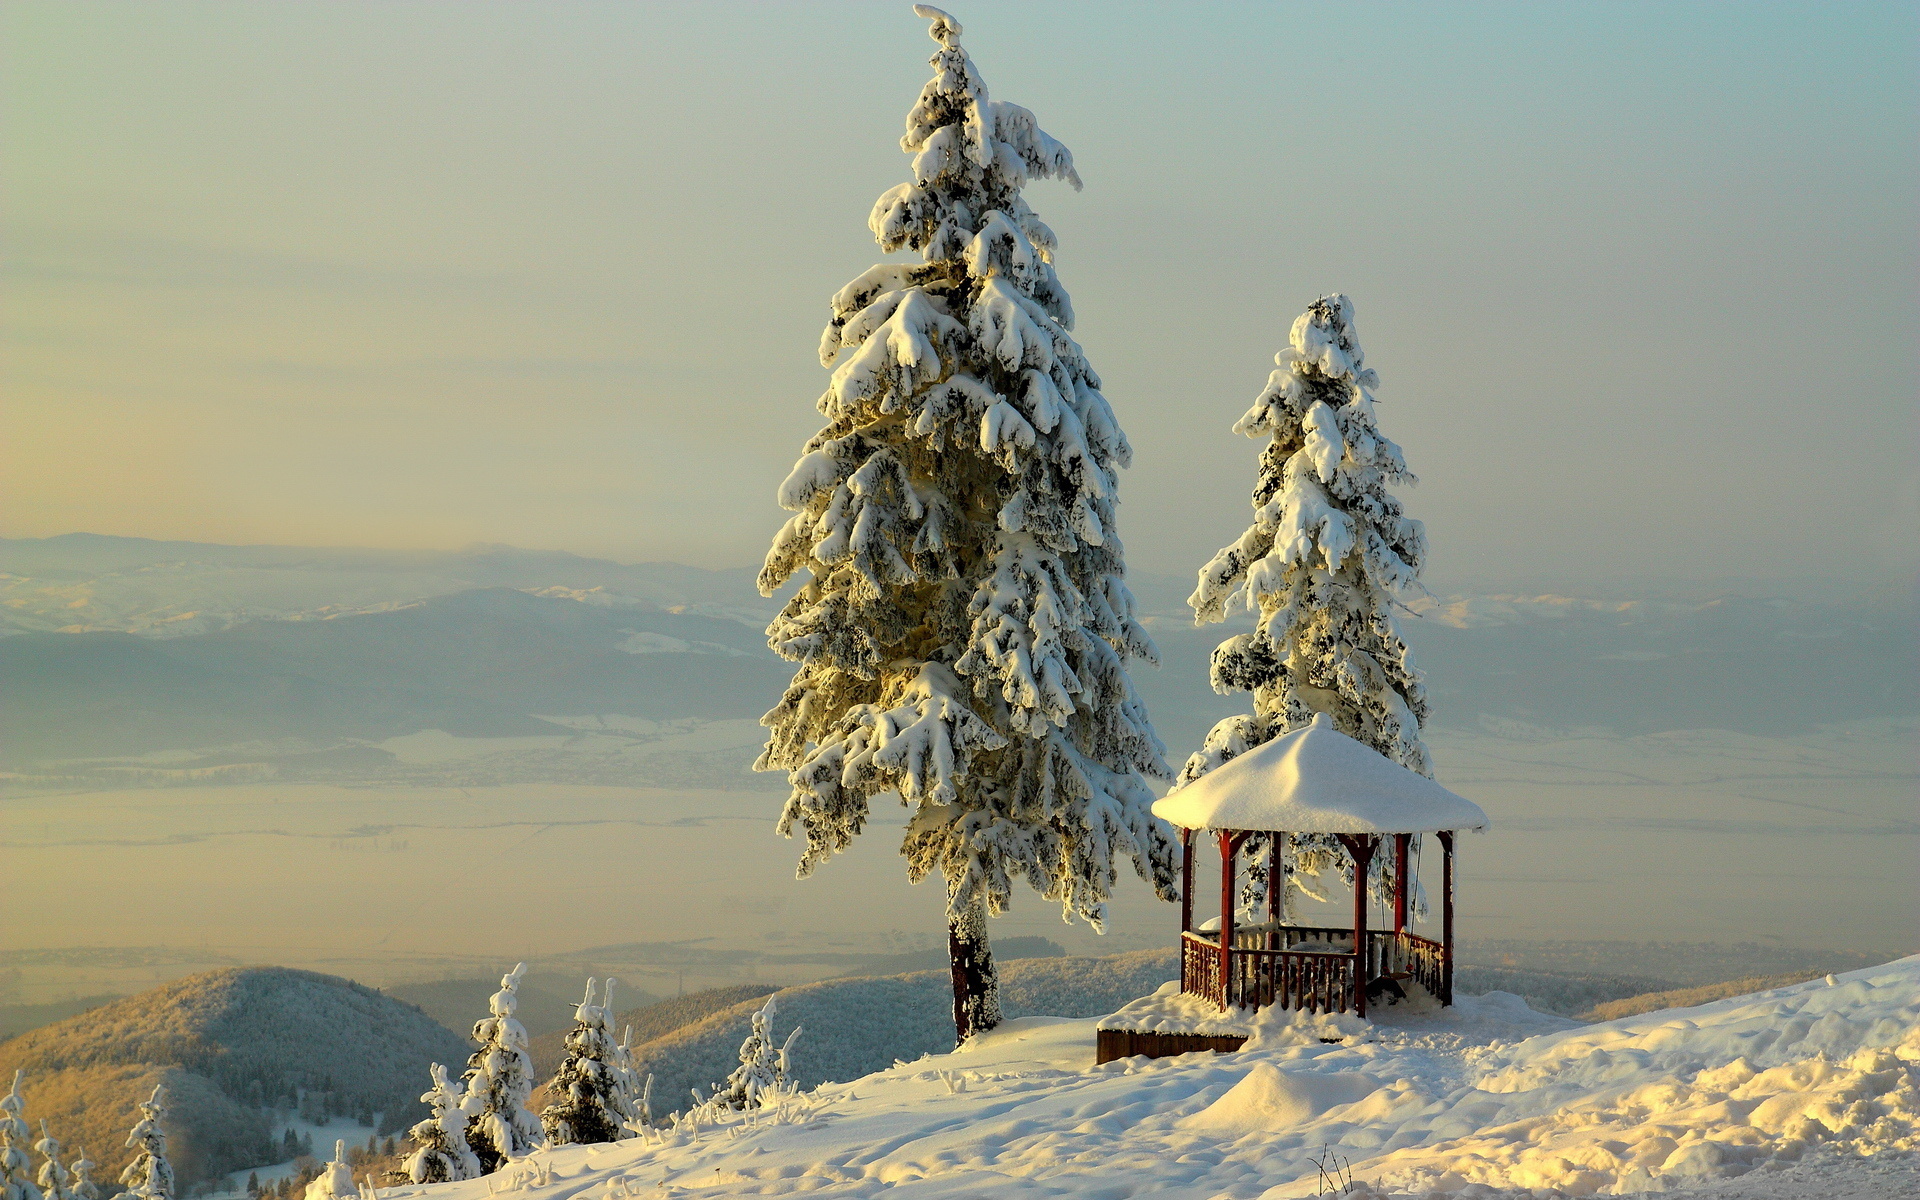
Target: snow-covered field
(1803, 1091)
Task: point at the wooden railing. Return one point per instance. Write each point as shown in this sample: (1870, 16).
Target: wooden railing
(1200, 967)
(1293, 979)
(1271, 964)
(1258, 977)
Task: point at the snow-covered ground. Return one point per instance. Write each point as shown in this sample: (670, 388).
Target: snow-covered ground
(1806, 1090)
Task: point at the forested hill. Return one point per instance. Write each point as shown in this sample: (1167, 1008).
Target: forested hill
(229, 1045)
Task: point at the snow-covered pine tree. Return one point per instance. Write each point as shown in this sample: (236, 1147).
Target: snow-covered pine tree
(1329, 553)
(335, 1180)
(16, 1173)
(499, 1082)
(763, 1070)
(84, 1188)
(150, 1176)
(440, 1150)
(964, 625)
(592, 1094)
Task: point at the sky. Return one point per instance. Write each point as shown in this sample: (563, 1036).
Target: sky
(1639, 279)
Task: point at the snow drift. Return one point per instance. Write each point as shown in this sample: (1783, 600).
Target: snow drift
(1486, 1098)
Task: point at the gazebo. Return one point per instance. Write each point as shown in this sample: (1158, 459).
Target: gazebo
(1314, 780)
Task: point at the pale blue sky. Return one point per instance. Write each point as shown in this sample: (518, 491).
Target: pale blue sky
(1640, 280)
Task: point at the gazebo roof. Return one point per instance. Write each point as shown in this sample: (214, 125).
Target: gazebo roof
(1317, 780)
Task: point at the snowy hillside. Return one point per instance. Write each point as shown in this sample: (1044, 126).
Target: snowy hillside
(1807, 1090)
(231, 1046)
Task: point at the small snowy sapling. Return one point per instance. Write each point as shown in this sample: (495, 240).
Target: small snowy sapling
(84, 1188)
(16, 1173)
(56, 1181)
(639, 1095)
(963, 624)
(150, 1176)
(1329, 554)
(335, 1180)
(440, 1151)
(764, 1072)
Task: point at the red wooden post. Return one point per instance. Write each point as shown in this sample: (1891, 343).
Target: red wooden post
(1226, 918)
(1446, 916)
(1275, 885)
(1186, 880)
(1400, 867)
(1361, 846)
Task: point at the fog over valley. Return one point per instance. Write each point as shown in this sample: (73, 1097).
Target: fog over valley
(310, 736)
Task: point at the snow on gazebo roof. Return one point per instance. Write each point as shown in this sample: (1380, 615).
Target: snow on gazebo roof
(1317, 780)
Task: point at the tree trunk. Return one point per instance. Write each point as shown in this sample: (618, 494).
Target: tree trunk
(976, 986)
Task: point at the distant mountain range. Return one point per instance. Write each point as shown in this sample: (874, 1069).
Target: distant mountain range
(137, 661)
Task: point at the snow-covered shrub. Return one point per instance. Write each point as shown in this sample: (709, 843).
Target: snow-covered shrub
(1328, 555)
(499, 1082)
(150, 1176)
(764, 1073)
(594, 1095)
(335, 1180)
(440, 1151)
(963, 625)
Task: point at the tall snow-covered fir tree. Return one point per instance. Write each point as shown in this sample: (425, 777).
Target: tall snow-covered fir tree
(1328, 554)
(591, 1091)
(440, 1145)
(499, 1082)
(150, 1176)
(16, 1173)
(964, 625)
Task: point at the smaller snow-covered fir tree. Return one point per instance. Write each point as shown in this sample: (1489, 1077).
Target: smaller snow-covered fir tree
(499, 1082)
(593, 1096)
(150, 1176)
(56, 1181)
(84, 1188)
(1328, 555)
(335, 1180)
(16, 1175)
(764, 1071)
(440, 1151)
